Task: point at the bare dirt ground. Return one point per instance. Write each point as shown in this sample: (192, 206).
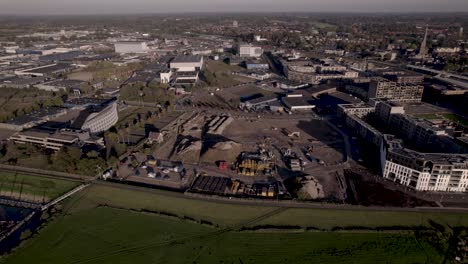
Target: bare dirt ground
(327, 154)
(365, 189)
(270, 132)
(328, 146)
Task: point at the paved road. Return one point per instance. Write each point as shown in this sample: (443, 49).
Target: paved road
(268, 203)
(347, 154)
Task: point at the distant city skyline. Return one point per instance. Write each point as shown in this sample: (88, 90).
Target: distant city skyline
(57, 7)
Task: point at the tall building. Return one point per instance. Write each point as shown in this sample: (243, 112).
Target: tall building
(460, 34)
(395, 90)
(235, 24)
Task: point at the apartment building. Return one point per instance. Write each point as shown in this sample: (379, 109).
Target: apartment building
(359, 110)
(423, 171)
(400, 89)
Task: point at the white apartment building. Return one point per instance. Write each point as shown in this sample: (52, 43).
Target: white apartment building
(423, 171)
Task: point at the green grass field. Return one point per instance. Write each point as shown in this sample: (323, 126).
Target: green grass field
(329, 219)
(105, 235)
(33, 188)
(230, 214)
(222, 74)
(217, 213)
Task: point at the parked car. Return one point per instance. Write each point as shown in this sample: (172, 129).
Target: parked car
(107, 174)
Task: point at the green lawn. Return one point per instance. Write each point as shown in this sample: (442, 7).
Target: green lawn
(328, 219)
(453, 117)
(219, 66)
(231, 214)
(220, 74)
(105, 235)
(33, 188)
(159, 201)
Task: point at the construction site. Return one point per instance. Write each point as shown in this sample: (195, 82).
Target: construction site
(255, 153)
(224, 186)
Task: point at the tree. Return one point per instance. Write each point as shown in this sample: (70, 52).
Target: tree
(91, 166)
(111, 138)
(92, 154)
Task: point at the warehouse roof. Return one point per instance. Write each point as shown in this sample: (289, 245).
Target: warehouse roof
(187, 58)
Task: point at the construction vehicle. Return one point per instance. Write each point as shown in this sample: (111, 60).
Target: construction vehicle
(295, 165)
(235, 187)
(251, 167)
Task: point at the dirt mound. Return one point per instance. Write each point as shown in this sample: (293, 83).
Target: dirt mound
(187, 150)
(228, 145)
(311, 189)
(225, 150)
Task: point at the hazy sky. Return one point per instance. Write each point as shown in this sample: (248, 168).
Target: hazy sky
(164, 6)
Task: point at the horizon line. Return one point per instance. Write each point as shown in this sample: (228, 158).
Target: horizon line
(229, 13)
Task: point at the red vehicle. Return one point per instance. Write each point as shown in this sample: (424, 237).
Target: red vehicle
(222, 165)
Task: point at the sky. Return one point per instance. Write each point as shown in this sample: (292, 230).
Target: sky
(58, 7)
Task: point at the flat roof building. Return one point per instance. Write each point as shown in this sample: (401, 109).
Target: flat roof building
(297, 103)
(259, 103)
(46, 70)
(124, 47)
(247, 50)
(187, 63)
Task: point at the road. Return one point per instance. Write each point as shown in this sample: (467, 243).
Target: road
(258, 202)
(346, 140)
